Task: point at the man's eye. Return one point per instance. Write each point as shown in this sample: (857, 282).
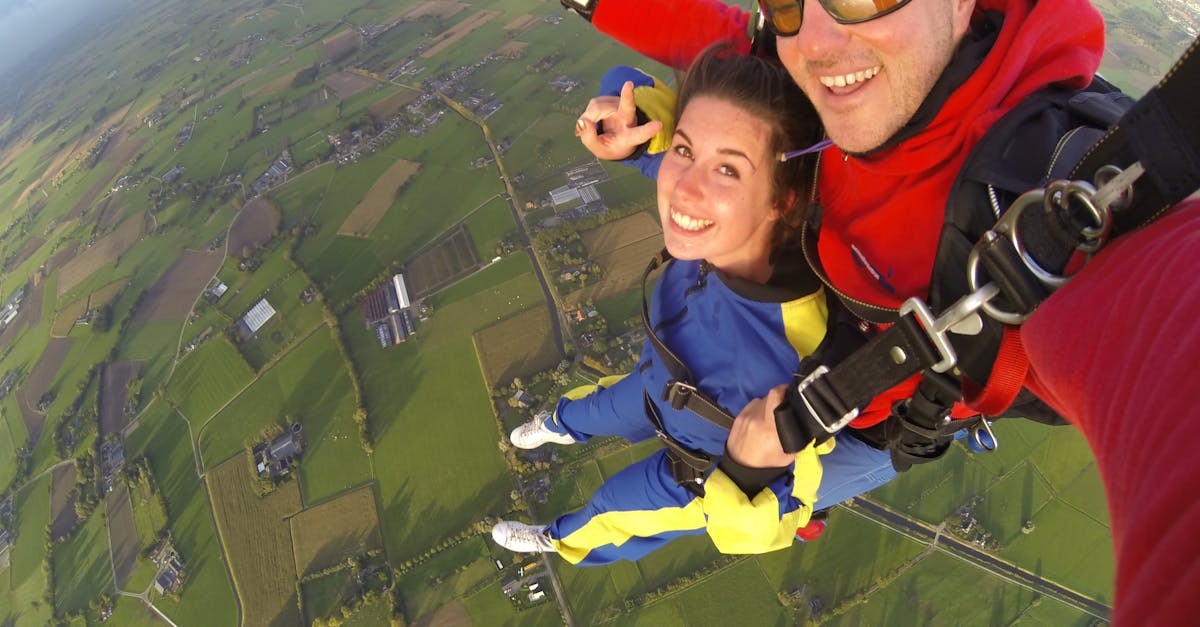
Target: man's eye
(683, 151)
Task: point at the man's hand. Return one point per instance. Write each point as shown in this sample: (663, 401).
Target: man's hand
(753, 440)
(618, 117)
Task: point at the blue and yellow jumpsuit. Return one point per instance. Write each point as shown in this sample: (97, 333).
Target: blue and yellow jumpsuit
(739, 339)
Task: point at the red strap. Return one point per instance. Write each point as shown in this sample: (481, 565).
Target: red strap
(1008, 375)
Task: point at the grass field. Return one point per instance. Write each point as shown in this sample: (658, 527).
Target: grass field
(207, 378)
(28, 582)
(347, 526)
(208, 592)
(371, 209)
(518, 346)
(257, 541)
(82, 570)
(323, 595)
(311, 385)
(103, 253)
(453, 472)
(446, 577)
(489, 224)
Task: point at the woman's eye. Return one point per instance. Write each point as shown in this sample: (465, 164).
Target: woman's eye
(728, 171)
(682, 151)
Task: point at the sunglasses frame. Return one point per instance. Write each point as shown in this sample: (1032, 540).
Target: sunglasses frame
(825, 4)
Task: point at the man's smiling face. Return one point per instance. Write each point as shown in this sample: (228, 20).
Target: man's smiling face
(867, 80)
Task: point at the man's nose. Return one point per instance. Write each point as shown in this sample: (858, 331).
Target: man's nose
(819, 33)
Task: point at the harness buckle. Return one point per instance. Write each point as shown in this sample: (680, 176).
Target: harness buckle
(962, 317)
(677, 394)
(837, 425)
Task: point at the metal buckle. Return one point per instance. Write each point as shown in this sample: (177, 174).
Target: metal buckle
(677, 393)
(840, 422)
(961, 317)
(1057, 195)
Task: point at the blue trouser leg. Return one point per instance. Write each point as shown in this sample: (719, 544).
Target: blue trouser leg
(635, 512)
(618, 410)
(853, 468)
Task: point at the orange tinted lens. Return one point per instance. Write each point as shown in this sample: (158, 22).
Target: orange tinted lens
(784, 15)
(857, 10)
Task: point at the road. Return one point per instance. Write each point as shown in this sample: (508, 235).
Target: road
(988, 562)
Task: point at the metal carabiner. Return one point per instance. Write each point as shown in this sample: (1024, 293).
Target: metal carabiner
(985, 441)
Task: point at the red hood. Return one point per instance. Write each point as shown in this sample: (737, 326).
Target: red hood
(889, 205)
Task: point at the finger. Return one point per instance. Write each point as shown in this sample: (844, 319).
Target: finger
(601, 107)
(644, 133)
(627, 109)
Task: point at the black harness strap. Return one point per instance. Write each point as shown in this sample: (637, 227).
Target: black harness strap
(689, 467)
(681, 392)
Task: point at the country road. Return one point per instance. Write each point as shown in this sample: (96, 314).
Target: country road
(879, 513)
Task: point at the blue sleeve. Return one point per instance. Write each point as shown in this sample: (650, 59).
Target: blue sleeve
(655, 101)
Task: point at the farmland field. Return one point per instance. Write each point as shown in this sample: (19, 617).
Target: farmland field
(458, 31)
(114, 383)
(446, 260)
(207, 378)
(82, 570)
(521, 345)
(371, 209)
(173, 294)
(347, 84)
(103, 253)
(208, 592)
(310, 384)
(39, 382)
(257, 541)
(254, 225)
(122, 533)
(27, 579)
(62, 505)
(346, 526)
(622, 248)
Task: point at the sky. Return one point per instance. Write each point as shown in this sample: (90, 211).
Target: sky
(28, 25)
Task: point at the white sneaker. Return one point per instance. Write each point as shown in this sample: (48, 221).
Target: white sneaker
(535, 433)
(522, 538)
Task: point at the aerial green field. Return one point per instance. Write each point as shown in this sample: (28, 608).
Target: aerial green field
(207, 378)
(82, 570)
(27, 581)
(208, 593)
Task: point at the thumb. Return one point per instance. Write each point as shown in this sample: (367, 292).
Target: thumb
(646, 132)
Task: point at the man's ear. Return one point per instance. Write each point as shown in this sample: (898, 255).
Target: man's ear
(963, 10)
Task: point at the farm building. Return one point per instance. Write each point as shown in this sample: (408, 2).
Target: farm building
(275, 458)
(563, 195)
(258, 315)
(401, 291)
(386, 311)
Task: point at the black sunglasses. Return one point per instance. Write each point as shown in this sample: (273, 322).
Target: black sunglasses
(784, 17)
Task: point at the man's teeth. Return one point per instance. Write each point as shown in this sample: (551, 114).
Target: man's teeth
(850, 79)
(689, 223)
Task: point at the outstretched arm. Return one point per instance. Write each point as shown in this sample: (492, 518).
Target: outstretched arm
(1116, 351)
(672, 32)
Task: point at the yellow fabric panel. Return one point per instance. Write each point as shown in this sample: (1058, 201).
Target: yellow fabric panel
(737, 524)
(804, 322)
(616, 528)
(809, 471)
(658, 103)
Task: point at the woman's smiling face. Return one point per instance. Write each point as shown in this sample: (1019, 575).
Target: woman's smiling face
(714, 188)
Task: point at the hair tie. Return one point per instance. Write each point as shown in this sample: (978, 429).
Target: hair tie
(817, 147)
